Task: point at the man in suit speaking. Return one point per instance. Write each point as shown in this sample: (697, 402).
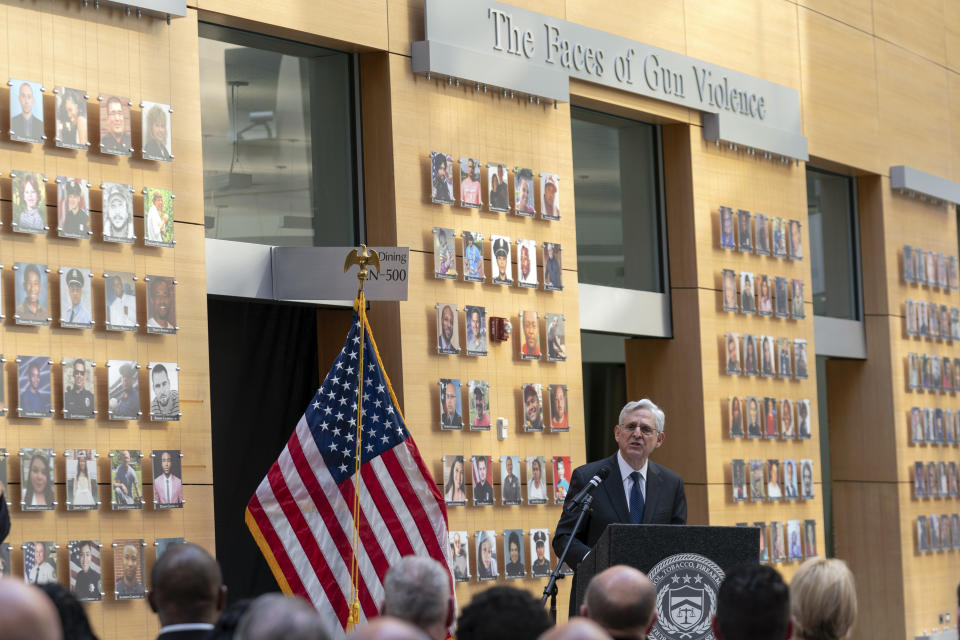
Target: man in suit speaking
(635, 490)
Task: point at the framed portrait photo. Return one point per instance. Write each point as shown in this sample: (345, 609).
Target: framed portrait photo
(794, 541)
(29, 195)
(71, 118)
(513, 563)
(532, 394)
(441, 177)
(460, 555)
(778, 234)
(754, 426)
(748, 303)
(26, 111)
(800, 358)
(164, 391)
(451, 410)
(527, 263)
(448, 331)
(501, 263)
(783, 357)
(478, 395)
(40, 562)
(37, 480)
(120, 300)
(758, 480)
(796, 240)
(117, 212)
(126, 476)
(910, 313)
(158, 217)
(559, 409)
(549, 196)
(942, 281)
(787, 426)
(761, 227)
(540, 553)
(806, 479)
(736, 417)
(167, 478)
(73, 208)
(952, 277)
(470, 187)
(552, 267)
(32, 294)
(738, 480)
(744, 231)
(803, 418)
(764, 547)
(86, 570)
(157, 134)
(561, 478)
(511, 492)
(782, 297)
(482, 476)
(34, 387)
(556, 337)
(498, 180)
(124, 389)
(751, 361)
(907, 263)
(473, 264)
(728, 280)
(75, 298)
(777, 543)
(774, 491)
(444, 253)
(455, 474)
(82, 494)
(78, 388)
(161, 304)
(790, 488)
(765, 296)
(476, 327)
(768, 366)
(524, 202)
(115, 125)
(536, 480)
(487, 568)
(728, 237)
(796, 299)
(129, 574)
(732, 353)
(771, 428)
(530, 336)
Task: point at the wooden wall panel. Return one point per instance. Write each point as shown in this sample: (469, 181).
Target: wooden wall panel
(953, 80)
(951, 15)
(856, 13)
(918, 30)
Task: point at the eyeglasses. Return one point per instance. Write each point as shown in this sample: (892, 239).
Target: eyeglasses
(645, 430)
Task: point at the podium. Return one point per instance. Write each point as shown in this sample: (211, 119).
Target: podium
(686, 564)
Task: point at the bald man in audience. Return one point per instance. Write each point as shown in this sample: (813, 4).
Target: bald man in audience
(26, 613)
(417, 589)
(577, 629)
(187, 592)
(623, 601)
(388, 628)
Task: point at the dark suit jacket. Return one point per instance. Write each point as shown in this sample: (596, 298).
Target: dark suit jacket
(198, 634)
(665, 503)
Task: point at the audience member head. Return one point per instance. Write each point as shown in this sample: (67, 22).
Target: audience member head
(226, 625)
(186, 586)
(502, 612)
(73, 619)
(623, 601)
(388, 628)
(417, 589)
(753, 604)
(576, 629)
(274, 616)
(26, 613)
(823, 600)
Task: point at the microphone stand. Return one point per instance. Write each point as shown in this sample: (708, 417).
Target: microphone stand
(550, 591)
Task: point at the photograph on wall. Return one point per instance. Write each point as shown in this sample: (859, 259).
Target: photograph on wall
(559, 410)
(530, 338)
(928, 425)
(486, 555)
(732, 352)
(158, 217)
(790, 489)
(536, 480)
(75, 298)
(800, 358)
(126, 473)
(942, 281)
(771, 428)
(782, 297)
(758, 481)
(764, 555)
(923, 543)
(73, 208)
(478, 394)
(754, 428)
(473, 264)
(953, 278)
(955, 530)
(78, 389)
(784, 364)
(476, 330)
(913, 367)
(952, 480)
(164, 391)
(910, 311)
(768, 367)
(736, 417)
(748, 303)
(168, 478)
(115, 125)
(944, 322)
(561, 478)
(797, 310)
(448, 331)
(778, 233)
(810, 538)
(728, 239)
(933, 483)
(934, 529)
(806, 479)
(751, 361)
(796, 241)
(942, 479)
(444, 253)
(451, 410)
(955, 326)
(85, 570)
(4, 494)
(499, 182)
(26, 111)
(777, 543)
(524, 202)
(81, 467)
(552, 271)
(29, 197)
(729, 285)
(71, 118)
(39, 562)
(946, 374)
(556, 337)
(510, 485)
(919, 266)
(124, 390)
(926, 370)
(549, 196)
(945, 532)
(501, 264)
(31, 289)
(157, 135)
(738, 480)
(527, 263)
(482, 480)
(460, 555)
(128, 569)
(774, 492)
(744, 234)
(919, 480)
(37, 480)
(907, 263)
(787, 430)
(514, 562)
(765, 296)
(470, 186)
(930, 267)
(117, 212)
(916, 425)
(33, 387)
(540, 553)
(120, 300)
(794, 541)
(933, 317)
(532, 394)
(761, 228)
(454, 473)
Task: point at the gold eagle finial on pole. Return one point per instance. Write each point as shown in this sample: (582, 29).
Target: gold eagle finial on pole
(365, 258)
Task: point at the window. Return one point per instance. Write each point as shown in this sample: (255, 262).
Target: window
(834, 246)
(616, 167)
(279, 140)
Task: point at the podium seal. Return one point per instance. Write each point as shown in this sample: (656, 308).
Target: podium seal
(687, 586)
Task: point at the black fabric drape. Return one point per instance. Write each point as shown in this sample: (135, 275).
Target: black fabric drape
(263, 372)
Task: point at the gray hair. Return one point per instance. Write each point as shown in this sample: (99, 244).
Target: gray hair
(647, 404)
(417, 589)
(273, 616)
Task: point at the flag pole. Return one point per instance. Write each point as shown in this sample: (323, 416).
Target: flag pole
(365, 259)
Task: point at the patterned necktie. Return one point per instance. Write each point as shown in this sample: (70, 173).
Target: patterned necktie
(636, 499)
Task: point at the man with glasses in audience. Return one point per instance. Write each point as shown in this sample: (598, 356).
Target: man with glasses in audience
(636, 489)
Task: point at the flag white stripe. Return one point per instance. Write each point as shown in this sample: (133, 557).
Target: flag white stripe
(430, 505)
(399, 506)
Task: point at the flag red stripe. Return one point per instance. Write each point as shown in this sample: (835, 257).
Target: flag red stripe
(409, 496)
(279, 552)
(434, 489)
(309, 546)
(390, 518)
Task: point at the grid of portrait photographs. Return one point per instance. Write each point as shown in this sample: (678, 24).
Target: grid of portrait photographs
(933, 373)
(760, 234)
(526, 555)
(759, 480)
(511, 475)
(932, 321)
(768, 418)
(501, 260)
(765, 356)
(934, 426)
(475, 323)
(928, 268)
(525, 196)
(794, 542)
(762, 294)
(938, 532)
(935, 479)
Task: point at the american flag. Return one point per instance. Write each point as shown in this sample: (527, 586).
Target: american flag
(302, 513)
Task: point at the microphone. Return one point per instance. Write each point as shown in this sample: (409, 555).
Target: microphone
(593, 484)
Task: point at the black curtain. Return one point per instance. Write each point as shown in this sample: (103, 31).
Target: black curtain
(263, 372)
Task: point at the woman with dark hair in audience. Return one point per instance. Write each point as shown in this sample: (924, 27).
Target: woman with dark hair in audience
(73, 619)
(823, 600)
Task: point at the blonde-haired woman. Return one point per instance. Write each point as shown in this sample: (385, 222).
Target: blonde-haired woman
(823, 600)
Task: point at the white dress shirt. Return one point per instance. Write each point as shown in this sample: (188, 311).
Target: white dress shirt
(625, 471)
